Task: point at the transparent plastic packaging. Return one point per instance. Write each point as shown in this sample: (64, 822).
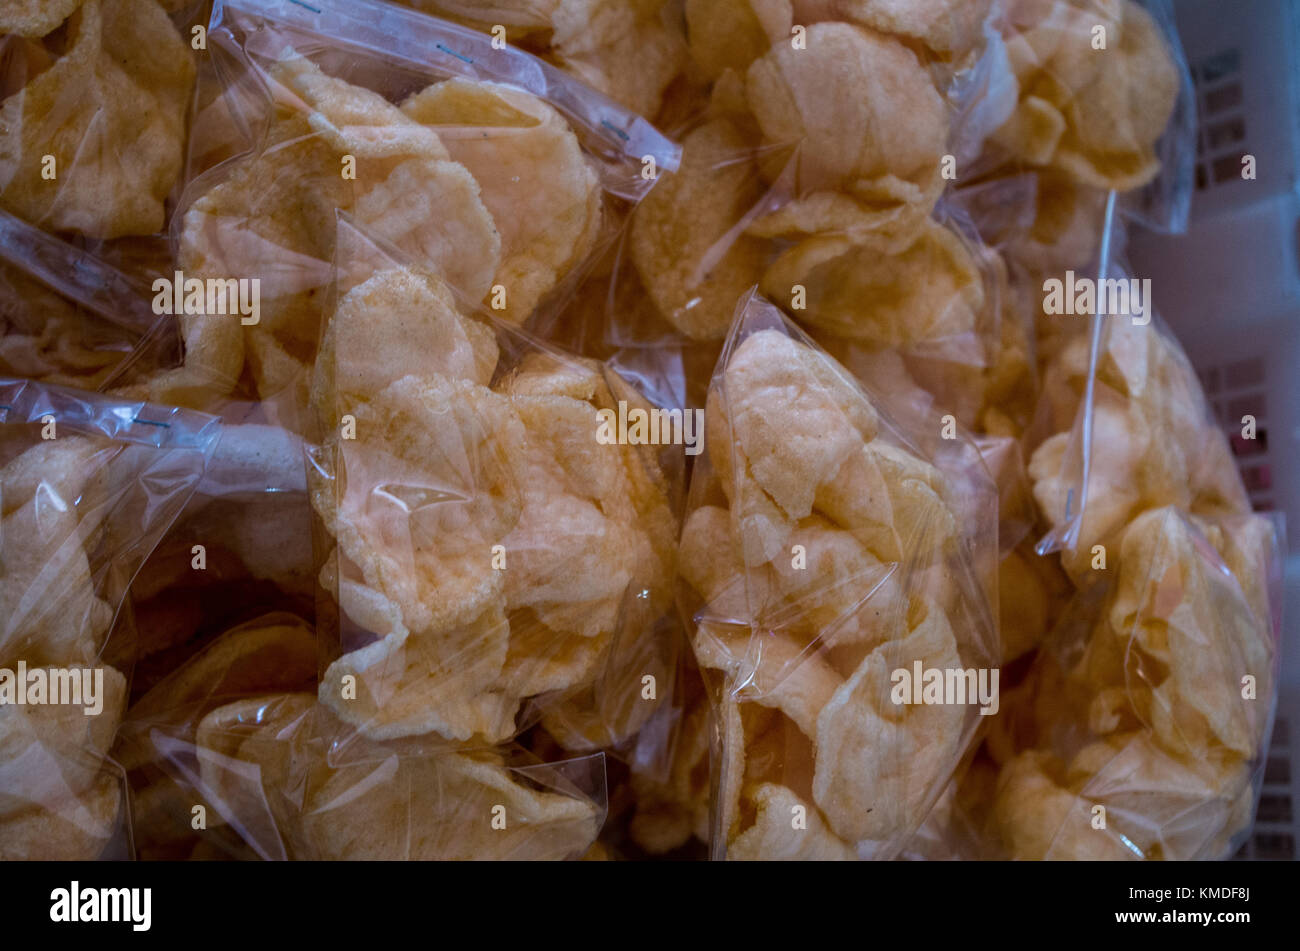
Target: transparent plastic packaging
(1140, 731)
(827, 562)
(229, 557)
(233, 739)
(1149, 704)
(93, 132)
(592, 40)
(812, 168)
(1140, 432)
(495, 538)
(72, 319)
(488, 166)
(1104, 100)
(88, 484)
(956, 577)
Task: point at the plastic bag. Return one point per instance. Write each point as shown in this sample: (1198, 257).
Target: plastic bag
(88, 484)
(593, 40)
(241, 548)
(487, 165)
(72, 319)
(275, 652)
(228, 739)
(1105, 99)
(768, 157)
(812, 169)
(1142, 436)
(1140, 731)
(92, 136)
(496, 542)
(827, 566)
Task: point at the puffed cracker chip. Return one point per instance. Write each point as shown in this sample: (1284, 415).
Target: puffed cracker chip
(708, 559)
(252, 755)
(1114, 123)
(1037, 818)
(775, 837)
(1151, 443)
(949, 27)
(924, 294)
(255, 756)
(276, 652)
(771, 670)
(577, 544)
(280, 206)
(841, 214)
(893, 502)
(68, 829)
(731, 34)
(879, 762)
(863, 113)
(1194, 634)
(684, 240)
(44, 336)
(782, 424)
(814, 644)
(1095, 117)
(841, 595)
(50, 610)
(34, 18)
(738, 723)
(441, 808)
(462, 644)
(1068, 220)
(397, 323)
(251, 658)
(1157, 806)
(1120, 439)
(1166, 806)
(50, 752)
(111, 110)
(542, 193)
(597, 39)
(431, 483)
(436, 681)
(542, 660)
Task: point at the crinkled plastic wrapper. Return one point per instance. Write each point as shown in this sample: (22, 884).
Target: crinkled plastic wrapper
(252, 518)
(956, 576)
(70, 318)
(1139, 733)
(495, 548)
(1103, 98)
(87, 486)
(93, 123)
(1139, 729)
(1129, 427)
(490, 168)
(593, 40)
(813, 169)
(833, 575)
(234, 742)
